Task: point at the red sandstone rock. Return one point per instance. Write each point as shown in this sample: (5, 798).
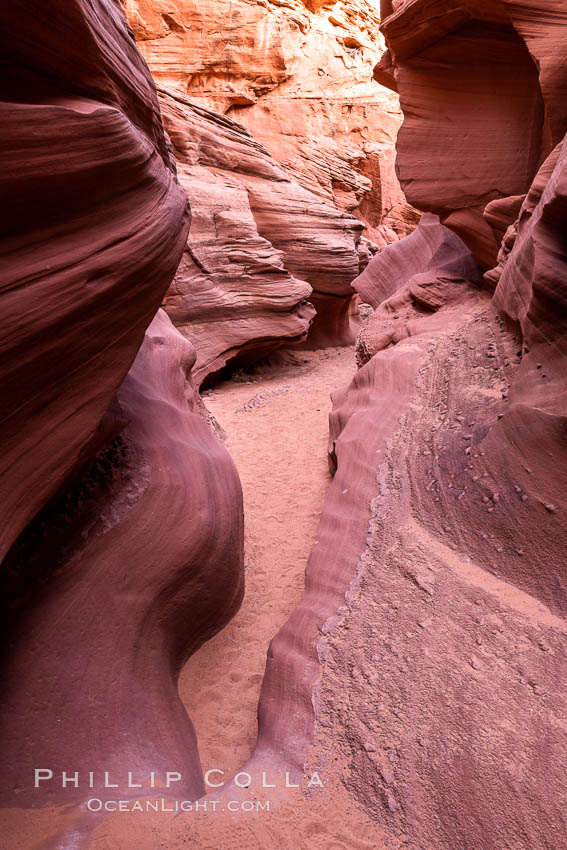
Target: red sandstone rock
(432, 623)
(431, 247)
(298, 76)
(112, 588)
(94, 226)
(289, 702)
(259, 244)
(482, 90)
(531, 295)
(124, 563)
(427, 656)
(428, 270)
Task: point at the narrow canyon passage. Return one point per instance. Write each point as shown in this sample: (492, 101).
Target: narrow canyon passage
(378, 645)
(276, 421)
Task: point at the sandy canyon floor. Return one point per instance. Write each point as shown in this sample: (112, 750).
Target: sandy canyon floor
(433, 637)
(275, 418)
(276, 424)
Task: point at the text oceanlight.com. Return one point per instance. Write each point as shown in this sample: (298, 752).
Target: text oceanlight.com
(95, 804)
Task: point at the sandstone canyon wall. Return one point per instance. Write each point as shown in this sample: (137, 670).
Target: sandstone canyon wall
(427, 658)
(81, 136)
(298, 76)
(423, 672)
(484, 80)
(260, 245)
(121, 510)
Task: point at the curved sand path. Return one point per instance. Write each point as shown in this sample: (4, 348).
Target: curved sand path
(276, 421)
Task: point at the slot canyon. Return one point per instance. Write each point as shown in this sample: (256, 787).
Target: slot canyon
(284, 429)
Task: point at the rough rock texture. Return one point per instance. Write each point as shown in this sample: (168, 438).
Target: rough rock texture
(260, 245)
(424, 670)
(95, 229)
(299, 76)
(413, 278)
(425, 665)
(485, 81)
(125, 508)
(450, 656)
(432, 252)
(232, 291)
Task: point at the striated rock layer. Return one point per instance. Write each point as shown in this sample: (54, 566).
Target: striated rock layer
(482, 86)
(145, 571)
(298, 75)
(260, 245)
(299, 78)
(96, 226)
(414, 277)
(121, 510)
(425, 665)
(427, 656)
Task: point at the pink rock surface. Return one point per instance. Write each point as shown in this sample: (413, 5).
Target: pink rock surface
(95, 230)
(427, 657)
(299, 76)
(260, 245)
(431, 247)
(112, 588)
(483, 81)
(289, 702)
(442, 680)
(121, 510)
(412, 279)
(425, 667)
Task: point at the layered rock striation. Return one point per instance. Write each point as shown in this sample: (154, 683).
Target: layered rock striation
(412, 279)
(298, 75)
(528, 264)
(121, 510)
(112, 587)
(283, 204)
(485, 82)
(96, 228)
(427, 657)
(260, 245)
(424, 668)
